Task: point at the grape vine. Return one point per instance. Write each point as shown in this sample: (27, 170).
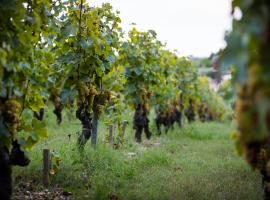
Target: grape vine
(247, 53)
(73, 55)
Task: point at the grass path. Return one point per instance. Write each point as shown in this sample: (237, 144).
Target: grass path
(197, 162)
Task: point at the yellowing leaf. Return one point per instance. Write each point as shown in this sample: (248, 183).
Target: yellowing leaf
(36, 104)
(30, 142)
(52, 171)
(40, 128)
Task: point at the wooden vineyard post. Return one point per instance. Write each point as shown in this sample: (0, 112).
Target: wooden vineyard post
(124, 126)
(46, 166)
(111, 134)
(94, 132)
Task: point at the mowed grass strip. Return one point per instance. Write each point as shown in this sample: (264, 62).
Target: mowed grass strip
(196, 162)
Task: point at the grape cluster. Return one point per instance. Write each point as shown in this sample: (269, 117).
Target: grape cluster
(252, 125)
(100, 102)
(11, 113)
(87, 93)
(58, 107)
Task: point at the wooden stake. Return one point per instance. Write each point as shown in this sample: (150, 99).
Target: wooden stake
(111, 134)
(94, 131)
(46, 166)
(124, 126)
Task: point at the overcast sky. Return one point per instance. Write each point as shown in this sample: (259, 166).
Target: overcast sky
(192, 27)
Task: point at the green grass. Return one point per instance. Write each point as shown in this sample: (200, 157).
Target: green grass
(195, 162)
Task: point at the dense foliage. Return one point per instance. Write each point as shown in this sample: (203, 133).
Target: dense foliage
(75, 55)
(24, 69)
(68, 52)
(248, 52)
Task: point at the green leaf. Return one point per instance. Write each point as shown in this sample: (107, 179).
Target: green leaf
(37, 103)
(67, 94)
(69, 29)
(4, 129)
(30, 142)
(27, 115)
(138, 71)
(111, 59)
(85, 43)
(40, 128)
